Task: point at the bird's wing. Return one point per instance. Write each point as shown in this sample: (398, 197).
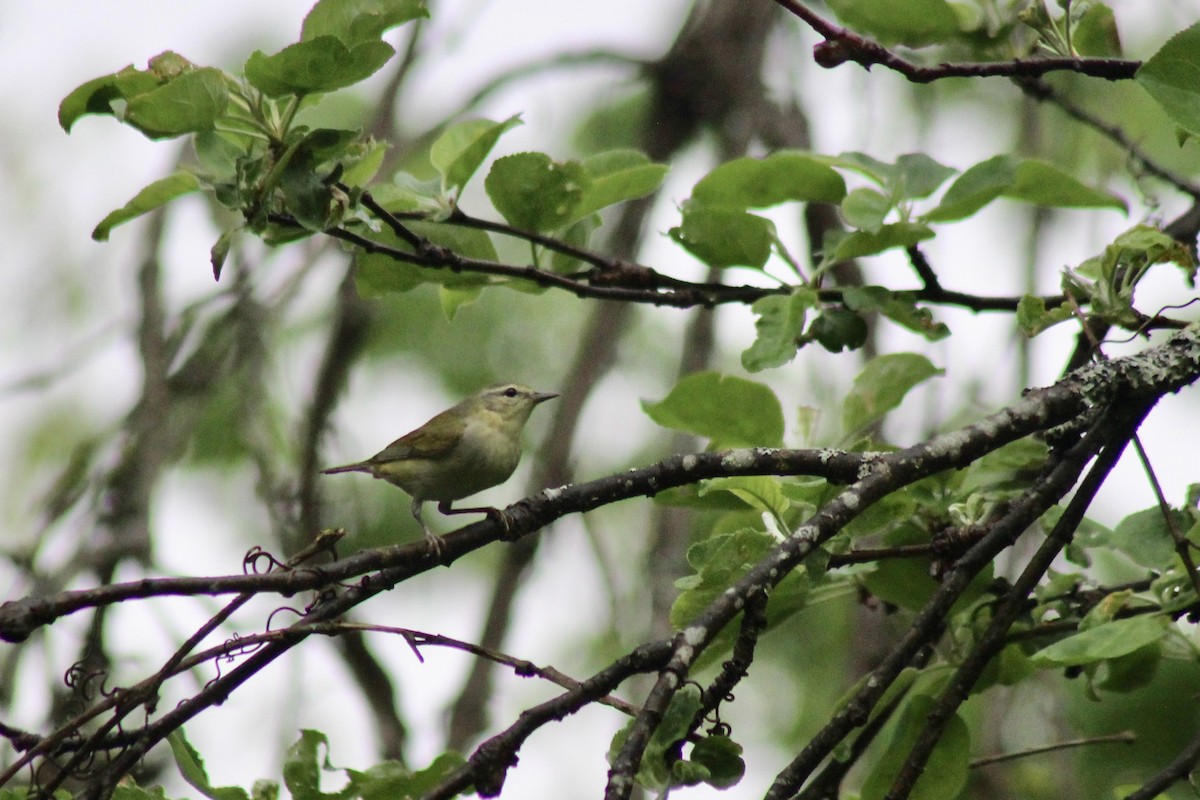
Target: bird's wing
(434, 439)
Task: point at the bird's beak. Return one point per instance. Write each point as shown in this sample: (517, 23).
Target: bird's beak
(541, 397)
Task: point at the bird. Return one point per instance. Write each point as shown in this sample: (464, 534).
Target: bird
(467, 448)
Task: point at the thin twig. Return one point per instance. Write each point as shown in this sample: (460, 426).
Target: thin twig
(842, 45)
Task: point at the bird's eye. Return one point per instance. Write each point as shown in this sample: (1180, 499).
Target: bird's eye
(510, 392)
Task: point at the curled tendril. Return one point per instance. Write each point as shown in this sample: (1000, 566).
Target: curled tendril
(252, 562)
(87, 682)
(271, 618)
(720, 729)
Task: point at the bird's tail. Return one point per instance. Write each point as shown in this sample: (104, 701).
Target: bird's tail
(359, 467)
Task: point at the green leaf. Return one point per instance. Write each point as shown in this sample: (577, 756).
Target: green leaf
(778, 327)
(731, 411)
(391, 780)
(759, 492)
(1033, 317)
(1133, 671)
(1096, 34)
(918, 175)
(761, 182)
(975, 188)
(658, 771)
(903, 582)
(357, 21)
(913, 176)
(189, 103)
(1043, 184)
(838, 329)
(865, 208)
(617, 176)
(1172, 77)
(535, 193)
(1111, 640)
(97, 95)
(721, 758)
(316, 65)
(881, 386)
(914, 22)
(191, 767)
(462, 147)
(454, 298)
(725, 237)
(162, 191)
(945, 773)
(220, 251)
(869, 243)
(1145, 537)
(1033, 182)
(363, 160)
(408, 193)
(899, 307)
(301, 768)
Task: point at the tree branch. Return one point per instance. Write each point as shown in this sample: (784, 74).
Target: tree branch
(1115, 431)
(19, 618)
(842, 45)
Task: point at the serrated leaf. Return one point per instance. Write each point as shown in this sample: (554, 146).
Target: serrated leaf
(914, 22)
(462, 147)
(159, 193)
(1145, 537)
(760, 492)
(865, 208)
(761, 182)
(731, 411)
(1172, 77)
(191, 768)
(316, 65)
(1096, 34)
(356, 21)
(868, 243)
(778, 328)
(406, 192)
(363, 162)
(975, 188)
(189, 103)
(301, 768)
(1033, 317)
(725, 237)
(899, 307)
(618, 176)
(1111, 640)
(1027, 181)
(881, 386)
(722, 759)
(838, 329)
(1043, 184)
(918, 175)
(535, 193)
(96, 96)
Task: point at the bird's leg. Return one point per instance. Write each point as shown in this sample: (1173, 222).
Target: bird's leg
(435, 541)
(492, 513)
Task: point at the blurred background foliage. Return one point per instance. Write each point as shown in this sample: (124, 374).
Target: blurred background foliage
(159, 423)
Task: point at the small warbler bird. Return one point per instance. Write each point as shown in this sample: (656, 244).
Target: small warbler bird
(465, 449)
